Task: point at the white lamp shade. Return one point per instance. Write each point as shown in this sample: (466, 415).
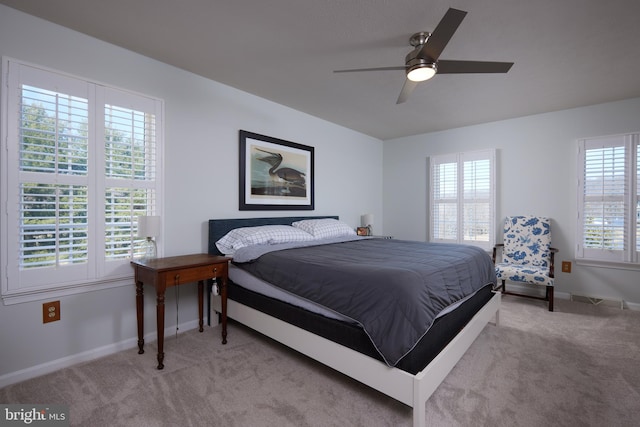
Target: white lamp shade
(366, 220)
(148, 226)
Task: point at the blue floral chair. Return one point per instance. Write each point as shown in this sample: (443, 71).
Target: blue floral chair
(527, 255)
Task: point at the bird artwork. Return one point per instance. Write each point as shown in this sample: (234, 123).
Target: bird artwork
(280, 181)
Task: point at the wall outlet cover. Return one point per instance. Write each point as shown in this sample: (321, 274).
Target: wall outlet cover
(50, 311)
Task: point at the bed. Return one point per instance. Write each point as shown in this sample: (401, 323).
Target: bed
(348, 343)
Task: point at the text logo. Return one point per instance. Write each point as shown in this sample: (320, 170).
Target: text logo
(34, 415)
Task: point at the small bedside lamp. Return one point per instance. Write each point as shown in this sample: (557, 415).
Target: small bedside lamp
(366, 220)
(149, 227)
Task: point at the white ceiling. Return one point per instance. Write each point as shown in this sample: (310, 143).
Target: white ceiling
(567, 53)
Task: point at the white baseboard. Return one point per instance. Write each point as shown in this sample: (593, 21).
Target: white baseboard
(65, 362)
(632, 306)
(529, 290)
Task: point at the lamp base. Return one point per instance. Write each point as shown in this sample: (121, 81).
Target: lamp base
(149, 249)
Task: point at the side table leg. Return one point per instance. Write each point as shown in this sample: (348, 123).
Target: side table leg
(200, 304)
(223, 303)
(160, 324)
(140, 315)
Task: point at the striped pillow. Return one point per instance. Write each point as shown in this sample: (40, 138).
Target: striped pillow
(260, 235)
(324, 228)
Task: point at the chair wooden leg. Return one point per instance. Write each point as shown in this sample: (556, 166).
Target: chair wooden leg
(550, 297)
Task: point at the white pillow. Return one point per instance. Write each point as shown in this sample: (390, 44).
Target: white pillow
(324, 228)
(260, 235)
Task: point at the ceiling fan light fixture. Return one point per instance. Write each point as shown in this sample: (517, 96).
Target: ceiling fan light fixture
(421, 72)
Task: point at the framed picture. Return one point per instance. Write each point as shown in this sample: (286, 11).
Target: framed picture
(362, 231)
(275, 174)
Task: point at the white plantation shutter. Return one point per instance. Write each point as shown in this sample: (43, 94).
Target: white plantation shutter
(130, 143)
(81, 166)
(53, 225)
(131, 159)
(444, 199)
(53, 152)
(608, 199)
(637, 200)
(477, 200)
(122, 207)
(53, 132)
(604, 191)
(462, 194)
(48, 179)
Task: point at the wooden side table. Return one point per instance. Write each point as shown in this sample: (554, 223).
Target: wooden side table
(163, 273)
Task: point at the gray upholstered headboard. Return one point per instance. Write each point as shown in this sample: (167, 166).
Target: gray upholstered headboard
(220, 227)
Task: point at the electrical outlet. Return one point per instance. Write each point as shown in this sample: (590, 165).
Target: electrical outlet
(50, 311)
(566, 266)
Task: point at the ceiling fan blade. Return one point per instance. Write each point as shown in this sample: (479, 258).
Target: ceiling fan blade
(371, 69)
(462, 67)
(407, 88)
(442, 34)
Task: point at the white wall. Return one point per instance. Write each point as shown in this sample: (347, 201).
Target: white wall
(536, 174)
(201, 181)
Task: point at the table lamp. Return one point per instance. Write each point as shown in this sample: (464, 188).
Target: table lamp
(149, 227)
(366, 220)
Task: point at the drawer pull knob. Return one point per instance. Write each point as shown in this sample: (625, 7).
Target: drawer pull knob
(215, 269)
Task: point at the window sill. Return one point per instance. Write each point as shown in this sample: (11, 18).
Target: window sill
(24, 296)
(608, 264)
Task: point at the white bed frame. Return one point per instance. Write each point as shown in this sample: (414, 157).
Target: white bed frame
(412, 390)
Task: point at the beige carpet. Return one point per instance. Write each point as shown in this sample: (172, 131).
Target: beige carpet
(578, 366)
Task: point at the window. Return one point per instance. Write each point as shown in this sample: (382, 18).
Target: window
(81, 166)
(608, 199)
(462, 197)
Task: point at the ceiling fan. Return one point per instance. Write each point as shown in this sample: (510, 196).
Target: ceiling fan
(422, 62)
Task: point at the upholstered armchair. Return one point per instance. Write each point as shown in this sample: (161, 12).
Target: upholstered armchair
(527, 255)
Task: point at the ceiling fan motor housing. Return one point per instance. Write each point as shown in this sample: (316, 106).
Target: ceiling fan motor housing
(418, 41)
(417, 60)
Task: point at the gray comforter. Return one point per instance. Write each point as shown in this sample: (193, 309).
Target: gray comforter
(394, 289)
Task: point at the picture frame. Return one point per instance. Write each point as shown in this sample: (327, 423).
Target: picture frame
(275, 174)
(363, 231)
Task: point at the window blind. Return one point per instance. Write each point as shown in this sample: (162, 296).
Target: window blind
(53, 132)
(477, 200)
(53, 225)
(445, 201)
(81, 163)
(608, 211)
(53, 148)
(462, 194)
(637, 201)
(122, 207)
(130, 147)
(604, 191)
(130, 166)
